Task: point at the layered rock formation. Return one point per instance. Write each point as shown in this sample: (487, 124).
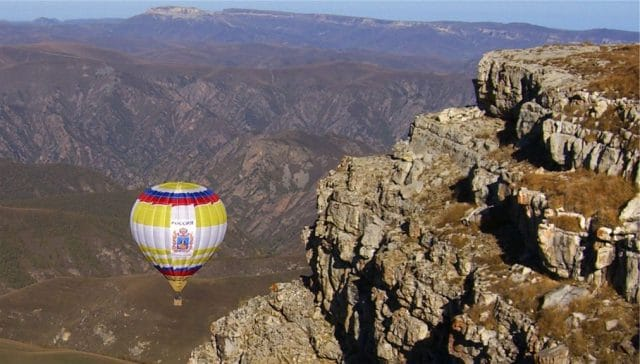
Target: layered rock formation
(573, 101)
(580, 100)
(451, 247)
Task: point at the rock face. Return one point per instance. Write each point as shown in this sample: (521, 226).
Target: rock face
(582, 118)
(288, 328)
(544, 92)
(177, 12)
(391, 286)
(598, 254)
(402, 273)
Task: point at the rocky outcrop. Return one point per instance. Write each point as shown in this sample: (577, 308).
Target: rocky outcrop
(566, 244)
(571, 145)
(551, 102)
(546, 92)
(177, 12)
(391, 287)
(402, 273)
(284, 326)
(394, 288)
(462, 133)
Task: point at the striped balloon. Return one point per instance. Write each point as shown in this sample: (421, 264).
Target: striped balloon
(178, 226)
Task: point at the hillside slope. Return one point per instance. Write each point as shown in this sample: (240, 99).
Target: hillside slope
(141, 123)
(61, 220)
(129, 317)
(16, 352)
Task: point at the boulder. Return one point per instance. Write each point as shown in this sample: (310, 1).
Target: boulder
(631, 211)
(563, 296)
(561, 250)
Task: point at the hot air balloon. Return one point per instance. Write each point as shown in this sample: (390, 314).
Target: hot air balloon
(178, 226)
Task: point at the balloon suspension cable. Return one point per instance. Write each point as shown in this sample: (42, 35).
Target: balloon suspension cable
(177, 299)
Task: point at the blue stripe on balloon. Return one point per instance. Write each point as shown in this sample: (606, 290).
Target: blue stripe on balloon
(173, 195)
(169, 271)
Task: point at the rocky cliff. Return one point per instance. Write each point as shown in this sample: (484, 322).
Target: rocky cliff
(483, 237)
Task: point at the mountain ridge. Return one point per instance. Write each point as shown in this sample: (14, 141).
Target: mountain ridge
(449, 40)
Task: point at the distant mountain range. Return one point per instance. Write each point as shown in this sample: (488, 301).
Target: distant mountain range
(285, 39)
(257, 104)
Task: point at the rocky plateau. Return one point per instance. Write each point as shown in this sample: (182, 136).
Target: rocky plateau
(503, 232)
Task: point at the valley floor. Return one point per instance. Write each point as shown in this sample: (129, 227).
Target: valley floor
(124, 317)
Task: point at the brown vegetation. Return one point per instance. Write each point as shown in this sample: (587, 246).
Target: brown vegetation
(526, 297)
(613, 70)
(453, 213)
(585, 192)
(619, 77)
(483, 314)
(566, 222)
(610, 120)
(591, 336)
(459, 240)
(502, 154)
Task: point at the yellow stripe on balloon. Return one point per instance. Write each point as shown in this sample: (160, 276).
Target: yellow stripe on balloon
(152, 215)
(210, 250)
(154, 251)
(158, 251)
(210, 215)
(179, 186)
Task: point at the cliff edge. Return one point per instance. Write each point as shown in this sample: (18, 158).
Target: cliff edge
(506, 232)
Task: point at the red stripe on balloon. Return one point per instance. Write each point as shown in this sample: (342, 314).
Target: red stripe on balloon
(199, 200)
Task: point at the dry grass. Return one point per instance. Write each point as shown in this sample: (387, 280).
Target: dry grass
(585, 192)
(484, 315)
(566, 223)
(491, 259)
(502, 154)
(591, 336)
(591, 137)
(453, 213)
(551, 322)
(610, 120)
(612, 70)
(526, 296)
(618, 78)
(459, 240)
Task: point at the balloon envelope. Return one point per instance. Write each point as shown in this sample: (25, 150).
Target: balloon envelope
(178, 226)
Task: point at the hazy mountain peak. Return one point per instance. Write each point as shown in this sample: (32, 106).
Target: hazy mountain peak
(177, 12)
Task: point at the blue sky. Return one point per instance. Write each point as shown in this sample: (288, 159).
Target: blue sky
(574, 15)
